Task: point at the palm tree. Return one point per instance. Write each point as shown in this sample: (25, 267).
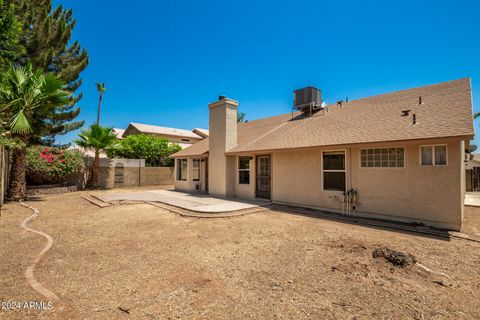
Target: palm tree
(101, 89)
(98, 139)
(26, 97)
(241, 117)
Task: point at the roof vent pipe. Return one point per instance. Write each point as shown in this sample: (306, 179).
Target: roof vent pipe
(222, 97)
(414, 119)
(420, 100)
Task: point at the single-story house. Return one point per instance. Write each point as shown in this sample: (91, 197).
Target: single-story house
(182, 137)
(397, 156)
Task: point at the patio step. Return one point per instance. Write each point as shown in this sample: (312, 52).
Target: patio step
(196, 214)
(96, 201)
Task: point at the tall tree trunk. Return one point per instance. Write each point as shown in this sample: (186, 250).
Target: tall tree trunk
(94, 176)
(17, 186)
(99, 107)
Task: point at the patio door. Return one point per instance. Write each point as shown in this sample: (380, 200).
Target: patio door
(263, 177)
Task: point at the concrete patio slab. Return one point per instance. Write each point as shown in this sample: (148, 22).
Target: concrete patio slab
(472, 199)
(190, 201)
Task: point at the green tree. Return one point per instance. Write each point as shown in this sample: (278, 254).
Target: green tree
(101, 89)
(25, 97)
(98, 139)
(45, 42)
(241, 117)
(154, 150)
(9, 35)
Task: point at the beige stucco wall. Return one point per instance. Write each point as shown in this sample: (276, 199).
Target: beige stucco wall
(430, 194)
(189, 184)
(245, 191)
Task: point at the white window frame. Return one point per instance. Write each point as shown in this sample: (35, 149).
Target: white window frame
(244, 170)
(179, 169)
(433, 155)
(344, 171)
(360, 158)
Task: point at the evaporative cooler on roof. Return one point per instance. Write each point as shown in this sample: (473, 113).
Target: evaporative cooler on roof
(307, 99)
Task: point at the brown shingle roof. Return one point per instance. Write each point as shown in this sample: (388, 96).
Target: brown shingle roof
(197, 149)
(446, 111)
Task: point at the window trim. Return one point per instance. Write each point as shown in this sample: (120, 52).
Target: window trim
(433, 155)
(179, 169)
(394, 168)
(243, 170)
(345, 171)
(193, 169)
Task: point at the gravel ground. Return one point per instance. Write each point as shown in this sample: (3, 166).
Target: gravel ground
(269, 265)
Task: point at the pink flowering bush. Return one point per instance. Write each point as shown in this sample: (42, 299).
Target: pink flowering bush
(49, 165)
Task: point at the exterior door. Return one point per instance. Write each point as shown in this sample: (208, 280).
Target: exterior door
(263, 177)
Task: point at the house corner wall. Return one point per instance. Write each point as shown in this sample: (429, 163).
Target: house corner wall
(463, 182)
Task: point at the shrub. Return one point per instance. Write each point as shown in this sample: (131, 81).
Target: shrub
(48, 165)
(154, 150)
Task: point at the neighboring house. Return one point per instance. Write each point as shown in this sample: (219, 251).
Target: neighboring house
(184, 138)
(472, 172)
(397, 156)
(118, 132)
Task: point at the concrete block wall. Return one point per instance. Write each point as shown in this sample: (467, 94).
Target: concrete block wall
(151, 176)
(135, 174)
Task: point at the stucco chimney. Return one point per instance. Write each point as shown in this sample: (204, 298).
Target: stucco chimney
(222, 137)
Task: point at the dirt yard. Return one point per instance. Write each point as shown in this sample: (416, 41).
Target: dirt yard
(155, 264)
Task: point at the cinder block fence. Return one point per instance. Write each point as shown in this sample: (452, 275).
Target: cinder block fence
(124, 173)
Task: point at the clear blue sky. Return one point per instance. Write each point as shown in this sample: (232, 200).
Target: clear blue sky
(164, 61)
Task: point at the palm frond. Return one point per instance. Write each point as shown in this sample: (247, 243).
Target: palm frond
(101, 87)
(20, 124)
(97, 138)
(28, 97)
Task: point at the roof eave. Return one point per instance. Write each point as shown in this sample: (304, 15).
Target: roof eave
(459, 137)
(174, 156)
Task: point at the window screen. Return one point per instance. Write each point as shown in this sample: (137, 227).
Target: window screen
(196, 169)
(433, 155)
(244, 170)
(440, 155)
(182, 169)
(427, 156)
(334, 181)
(382, 158)
(334, 171)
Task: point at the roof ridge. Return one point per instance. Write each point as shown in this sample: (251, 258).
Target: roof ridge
(154, 125)
(414, 88)
(270, 117)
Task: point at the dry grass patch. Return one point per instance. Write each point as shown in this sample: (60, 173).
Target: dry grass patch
(159, 265)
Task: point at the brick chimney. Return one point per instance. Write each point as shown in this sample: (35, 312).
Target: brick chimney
(222, 137)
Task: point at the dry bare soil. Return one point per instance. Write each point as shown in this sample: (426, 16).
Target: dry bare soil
(270, 265)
